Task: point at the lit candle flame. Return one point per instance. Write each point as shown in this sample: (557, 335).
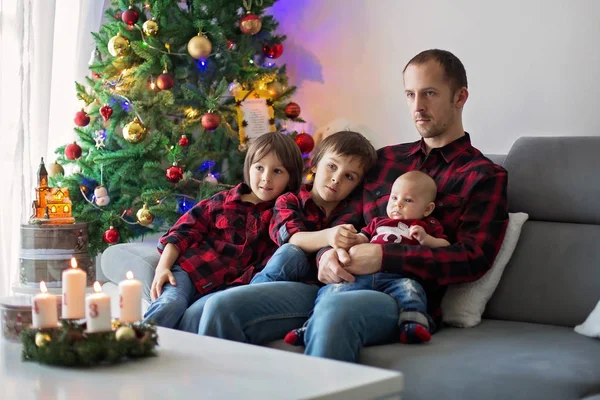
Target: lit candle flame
(129, 275)
(97, 287)
(73, 262)
(43, 287)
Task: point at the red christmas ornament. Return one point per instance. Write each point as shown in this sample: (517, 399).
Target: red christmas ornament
(111, 236)
(230, 45)
(118, 15)
(106, 111)
(73, 151)
(130, 16)
(274, 51)
(292, 110)
(95, 75)
(305, 142)
(174, 173)
(183, 142)
(81, 118)
(165, 81)
(210, 121)
(250, 24)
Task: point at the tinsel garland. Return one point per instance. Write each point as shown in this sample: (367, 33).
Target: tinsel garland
(70, 345)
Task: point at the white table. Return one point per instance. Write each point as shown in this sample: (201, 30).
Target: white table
(197, 367)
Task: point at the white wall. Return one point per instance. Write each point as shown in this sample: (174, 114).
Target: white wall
(532, 65)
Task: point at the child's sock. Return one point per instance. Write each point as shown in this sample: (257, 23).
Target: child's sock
(412, 332)
(295, 337)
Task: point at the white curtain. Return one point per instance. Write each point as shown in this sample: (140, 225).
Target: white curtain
(45, 46)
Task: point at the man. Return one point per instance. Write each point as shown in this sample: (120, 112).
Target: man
(471, 206)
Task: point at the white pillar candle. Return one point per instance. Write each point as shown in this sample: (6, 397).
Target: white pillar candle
(44, 312)
(73, 284)
(130, 299)
(97, 311)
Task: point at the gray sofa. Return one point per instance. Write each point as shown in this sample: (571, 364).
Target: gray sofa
(525, 347)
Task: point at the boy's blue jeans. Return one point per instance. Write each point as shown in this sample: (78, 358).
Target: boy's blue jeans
(170, 306)
(290, 263)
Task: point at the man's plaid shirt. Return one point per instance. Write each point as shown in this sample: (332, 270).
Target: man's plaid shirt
(471, 206)
(222, 240)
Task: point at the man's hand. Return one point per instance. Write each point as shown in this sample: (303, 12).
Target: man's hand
(331, 267)
(365, 259)
(418, 233)
(161, 276)
(343, 236)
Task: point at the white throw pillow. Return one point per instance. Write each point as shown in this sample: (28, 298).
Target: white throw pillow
(591, 326)
(463, 304)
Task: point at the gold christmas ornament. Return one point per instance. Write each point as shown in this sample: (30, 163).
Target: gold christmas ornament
(125, 333)
(150, 27)
(199, 47)
(275, 88)
(55, 169)
(134, 131)
(118, 46)
(143, 216)
(42, 339)
(243, 147)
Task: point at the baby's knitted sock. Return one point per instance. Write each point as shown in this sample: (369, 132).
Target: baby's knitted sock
(295, 337)
(412, 332)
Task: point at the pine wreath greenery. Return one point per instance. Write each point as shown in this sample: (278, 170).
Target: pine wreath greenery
(71, 346)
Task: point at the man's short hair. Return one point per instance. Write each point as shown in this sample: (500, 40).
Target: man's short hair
(454, 69)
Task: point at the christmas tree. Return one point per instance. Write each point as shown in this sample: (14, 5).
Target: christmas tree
(160, 127)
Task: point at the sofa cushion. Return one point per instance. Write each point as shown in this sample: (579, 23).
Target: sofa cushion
(140, 258)
(555, 179)
(591, 326)
(553, 276)
(494, 360)
(463, 304)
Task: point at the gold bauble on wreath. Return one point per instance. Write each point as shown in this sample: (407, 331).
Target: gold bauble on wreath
(42, 339)
(134, 131)
(125, 333)
(150, 27)
(199, 47)
(118, 46)
(144, 217)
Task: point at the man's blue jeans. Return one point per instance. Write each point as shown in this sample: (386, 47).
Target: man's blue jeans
(290, 263)
(343, 322)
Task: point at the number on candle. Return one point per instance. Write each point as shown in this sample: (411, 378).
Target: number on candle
(93, 310)
(120, 301)
(36, 308)
(64, 299)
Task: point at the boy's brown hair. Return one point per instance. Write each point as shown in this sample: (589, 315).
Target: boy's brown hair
(286, 150)
(348, 144)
